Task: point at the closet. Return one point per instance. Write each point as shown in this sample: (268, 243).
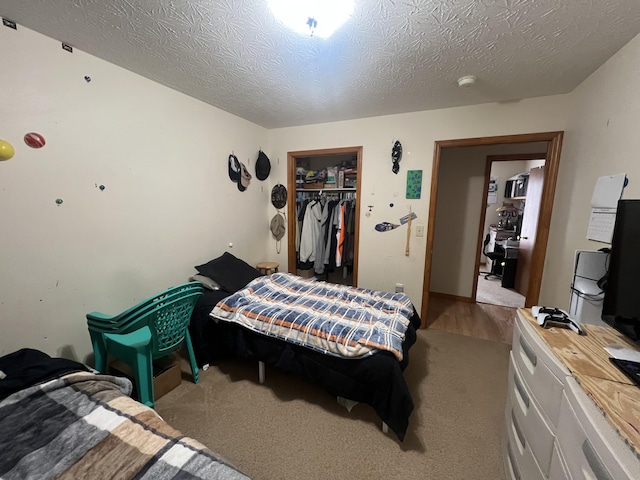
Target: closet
(323, 213)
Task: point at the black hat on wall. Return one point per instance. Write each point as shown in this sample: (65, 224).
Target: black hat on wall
(234, 168)
(263, 166)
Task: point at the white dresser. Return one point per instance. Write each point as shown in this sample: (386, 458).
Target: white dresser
(570, 414)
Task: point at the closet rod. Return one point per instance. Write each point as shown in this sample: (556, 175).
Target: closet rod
(340, 195)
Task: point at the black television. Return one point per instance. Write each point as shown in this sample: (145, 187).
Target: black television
(621, 306)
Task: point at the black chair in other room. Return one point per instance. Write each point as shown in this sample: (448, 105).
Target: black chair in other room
(497, 257)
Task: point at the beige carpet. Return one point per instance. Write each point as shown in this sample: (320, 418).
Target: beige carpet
(490, 291)
(290, 429)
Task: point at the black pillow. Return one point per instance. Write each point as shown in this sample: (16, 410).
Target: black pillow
(231, 273)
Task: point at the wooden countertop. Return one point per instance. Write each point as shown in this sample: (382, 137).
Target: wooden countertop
(587, 360)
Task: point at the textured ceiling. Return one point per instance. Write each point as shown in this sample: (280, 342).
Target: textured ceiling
(392, 56)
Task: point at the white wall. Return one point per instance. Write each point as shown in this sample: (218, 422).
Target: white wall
(382, 261)
(458, 210)
(168, 203)
(602, 138)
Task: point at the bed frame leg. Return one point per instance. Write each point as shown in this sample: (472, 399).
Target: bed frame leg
(385, 428)
(261, 372)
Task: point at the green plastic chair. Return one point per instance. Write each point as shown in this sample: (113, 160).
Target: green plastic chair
(102, 320)
(150, 330)
(129, 320)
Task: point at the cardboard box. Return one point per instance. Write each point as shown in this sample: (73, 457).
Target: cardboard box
(166, 375)
(317, 184)
(306, 273)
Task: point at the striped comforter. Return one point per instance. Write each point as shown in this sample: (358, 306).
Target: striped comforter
(83, 426)
(334, 319)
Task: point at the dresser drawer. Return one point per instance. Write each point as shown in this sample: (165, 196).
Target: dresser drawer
(536, 431)
(519, 459)
(590, 447)
(541, 371)
(558, 469)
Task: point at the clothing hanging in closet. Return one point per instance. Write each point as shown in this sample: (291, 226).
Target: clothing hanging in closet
(325, 231)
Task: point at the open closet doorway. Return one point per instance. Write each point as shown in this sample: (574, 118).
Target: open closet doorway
(508, 227)
(461, 270)
(323, 213)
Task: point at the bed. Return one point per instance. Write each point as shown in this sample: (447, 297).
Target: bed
(375, 379)
(60, 420)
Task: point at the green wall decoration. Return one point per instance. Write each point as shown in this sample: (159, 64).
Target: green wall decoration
(414, 183)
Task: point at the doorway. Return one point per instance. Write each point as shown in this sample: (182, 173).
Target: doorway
(553, 143)
(507, 227)
(321, 186)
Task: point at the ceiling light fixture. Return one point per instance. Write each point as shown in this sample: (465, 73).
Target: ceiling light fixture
(319, 18)
(466, 81)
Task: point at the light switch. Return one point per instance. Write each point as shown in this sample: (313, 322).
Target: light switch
(419, 230)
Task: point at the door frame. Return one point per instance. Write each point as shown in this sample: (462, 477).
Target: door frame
(552, 163)
(509, 157)
(292, 158)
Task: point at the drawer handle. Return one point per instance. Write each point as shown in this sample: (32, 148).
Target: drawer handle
(529, 352)
(521, 391)
(517, 430)
(514, 466)
(594, 462)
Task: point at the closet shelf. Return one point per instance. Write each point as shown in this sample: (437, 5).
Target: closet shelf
(346, 189)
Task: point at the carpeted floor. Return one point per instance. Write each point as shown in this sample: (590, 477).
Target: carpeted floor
(490, 291)
(290, 429)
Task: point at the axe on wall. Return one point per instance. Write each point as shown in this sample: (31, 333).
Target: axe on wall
(407, 219)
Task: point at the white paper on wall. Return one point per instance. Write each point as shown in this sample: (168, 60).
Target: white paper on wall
(492, 196)
(604, 203)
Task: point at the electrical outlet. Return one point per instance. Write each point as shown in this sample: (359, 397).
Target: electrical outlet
(399, 288)
(419, 230)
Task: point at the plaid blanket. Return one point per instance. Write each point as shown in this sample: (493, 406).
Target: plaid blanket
(84, 426)
(335, 319)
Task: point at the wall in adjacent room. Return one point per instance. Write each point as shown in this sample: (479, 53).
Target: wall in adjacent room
(458, 211)
(601, 139)
(168, 203)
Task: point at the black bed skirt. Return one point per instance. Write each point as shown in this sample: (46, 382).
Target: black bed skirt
(377, 379)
